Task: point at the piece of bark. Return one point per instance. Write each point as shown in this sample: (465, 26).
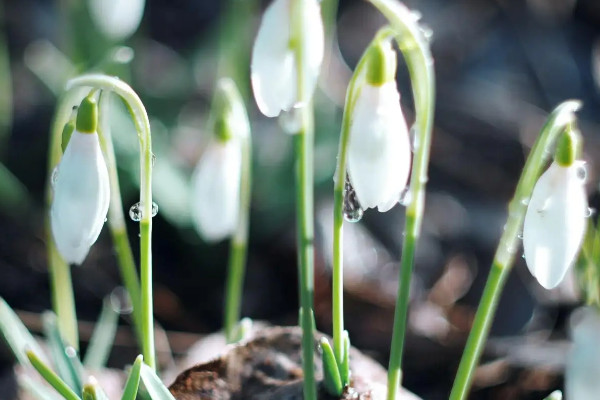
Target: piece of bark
(268, 366)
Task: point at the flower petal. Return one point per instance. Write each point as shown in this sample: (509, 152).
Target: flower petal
(81, 197)
(555, 223)
(216, 190)
(117, 19)
(379, 152)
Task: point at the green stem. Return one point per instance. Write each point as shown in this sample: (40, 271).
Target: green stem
(417, 55)
(61, 286)
(509, 244)
(116, 219)
(338, 202)
(239, 247)
(142, 125)
(304, 145)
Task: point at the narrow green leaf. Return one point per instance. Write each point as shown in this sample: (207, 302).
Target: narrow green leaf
(154, 386)
(133, 381)
(345, 364)
(103, 337)
(93, 391)
(54, 380)
(65, 357)
(35, 388)
(16, 334)
(331, 373)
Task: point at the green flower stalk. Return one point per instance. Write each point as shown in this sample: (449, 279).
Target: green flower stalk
(221, 191)
(559, 120)
(286, 60)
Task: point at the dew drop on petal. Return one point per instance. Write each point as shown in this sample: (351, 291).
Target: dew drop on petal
(54, 176)
(70, 352)
(581, 173)
(589, 212)
(352, 209)
(135, 212)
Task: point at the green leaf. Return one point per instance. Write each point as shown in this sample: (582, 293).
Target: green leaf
(154, 386)
(65, 357)
(103, 337)
(133, 381)
(345, 364)
(16, 334)
(331, 373)
(54, 380)
(35, 388)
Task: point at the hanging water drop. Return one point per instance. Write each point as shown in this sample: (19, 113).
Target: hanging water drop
(54, 176)
(135, 212)
(405, 197)
(291, 121)
(427, 32)
(352, 210)
(153, 159)
(589, 212)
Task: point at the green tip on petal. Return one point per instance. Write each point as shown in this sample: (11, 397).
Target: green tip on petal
(569, 147)
(66, 134)
(381, 67)
(87, 116)
(228, 113)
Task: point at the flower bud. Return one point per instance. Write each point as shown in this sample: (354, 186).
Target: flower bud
(273, 68)
(81, 190)
(117, 19)
(379, 153)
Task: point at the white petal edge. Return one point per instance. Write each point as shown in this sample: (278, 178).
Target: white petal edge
(555, 223)
(379, 154)
(216, 190)
(81, 197)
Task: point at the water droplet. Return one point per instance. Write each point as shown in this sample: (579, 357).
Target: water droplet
(581, 172)
(405, 197)
(105, 220)
(427, 32)
(520, 235)
(416, 15)
(525, 201)
(135, 212)
(523, 256)
(291, 121)
(413, 138)
(70, 352)
(120, 301)
(589, 212)
(54, 176)
(353, 212)
(153, 159)
(542, 210)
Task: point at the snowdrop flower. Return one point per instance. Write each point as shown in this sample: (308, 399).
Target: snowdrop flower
(379, 153)
(81, 189)
(217, 178)
(117, 19)
(273, 67)
(583, 365)
(555, 222)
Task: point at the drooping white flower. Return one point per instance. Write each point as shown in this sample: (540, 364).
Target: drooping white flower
(216, 189)
(273, 67)
(117, 19)
(583, 365)
(379, 153)
(81, 196)
(555, 222)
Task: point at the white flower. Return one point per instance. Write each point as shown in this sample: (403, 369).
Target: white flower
(582, 374)
(117, 19)
(216, 189)
(555, 223)
(379, 153)
(81, 197)
(274, 73)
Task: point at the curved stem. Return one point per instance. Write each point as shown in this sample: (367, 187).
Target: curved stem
(142, 125)
(415, 50)
(509, 244)
(338, 202)
(116, 219)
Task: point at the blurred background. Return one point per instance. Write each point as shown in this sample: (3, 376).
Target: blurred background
(501, 66)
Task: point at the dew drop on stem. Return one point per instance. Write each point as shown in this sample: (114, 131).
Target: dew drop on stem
(352, 209)
(405, 197)
(54, 176)
(135, 212)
